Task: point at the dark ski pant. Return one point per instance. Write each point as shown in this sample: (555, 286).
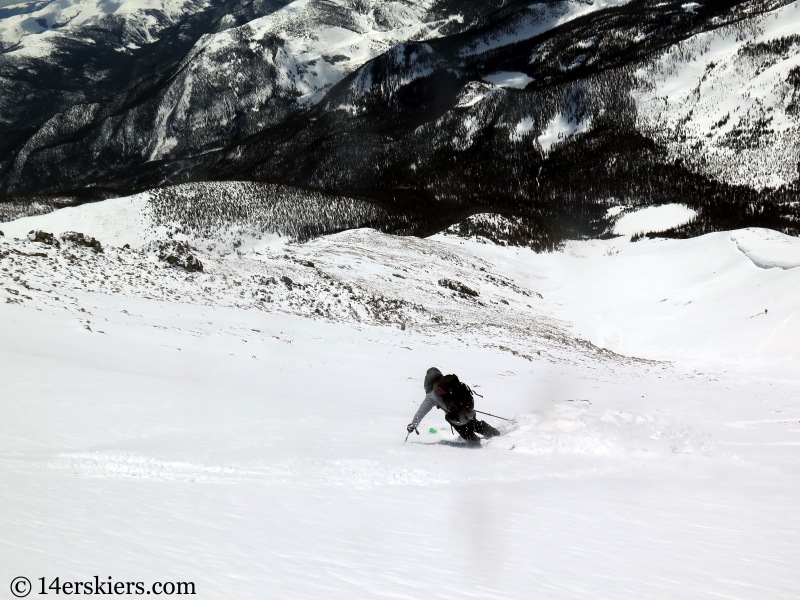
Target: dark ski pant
(469, 429)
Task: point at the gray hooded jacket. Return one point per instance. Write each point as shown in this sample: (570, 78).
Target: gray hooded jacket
(433, 399)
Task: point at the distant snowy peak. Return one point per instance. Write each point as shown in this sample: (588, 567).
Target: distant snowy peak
(32, 28)
(405, 64)
(257, 65)
(310, 45)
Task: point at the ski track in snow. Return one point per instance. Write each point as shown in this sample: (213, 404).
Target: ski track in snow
(246, 432)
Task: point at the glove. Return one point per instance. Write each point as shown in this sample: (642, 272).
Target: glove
(411, 427)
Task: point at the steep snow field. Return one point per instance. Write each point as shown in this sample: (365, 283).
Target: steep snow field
(242, 427)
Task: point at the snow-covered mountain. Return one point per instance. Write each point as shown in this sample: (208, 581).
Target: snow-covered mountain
(548, 113)
(135, 82)
(37, 28)
(588, 209)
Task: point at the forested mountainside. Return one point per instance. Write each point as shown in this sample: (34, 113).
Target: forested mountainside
(144, 80)
(548, 113)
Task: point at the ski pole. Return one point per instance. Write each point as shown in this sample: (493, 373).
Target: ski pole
(495, 416)
(409, 433)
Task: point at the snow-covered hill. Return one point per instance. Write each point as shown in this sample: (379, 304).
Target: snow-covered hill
(241, 427)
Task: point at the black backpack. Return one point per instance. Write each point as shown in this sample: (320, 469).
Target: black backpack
(458, 396)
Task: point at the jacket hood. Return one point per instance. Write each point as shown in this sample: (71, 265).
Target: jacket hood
(432, 376)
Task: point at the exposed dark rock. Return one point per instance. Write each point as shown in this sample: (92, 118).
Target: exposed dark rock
(179, 254)
(43, 237)
(458, 287)
(81, 240)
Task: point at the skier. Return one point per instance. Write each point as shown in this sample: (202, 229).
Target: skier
(455, 399)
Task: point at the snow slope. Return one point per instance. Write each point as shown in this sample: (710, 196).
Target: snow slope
(117, 221)
(244, 432)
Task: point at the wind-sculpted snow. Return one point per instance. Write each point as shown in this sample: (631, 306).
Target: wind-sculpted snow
(767, 249)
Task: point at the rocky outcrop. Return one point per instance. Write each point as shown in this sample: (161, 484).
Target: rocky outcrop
(179, 255)
(458, 287)
(79, 239)
(43, 237)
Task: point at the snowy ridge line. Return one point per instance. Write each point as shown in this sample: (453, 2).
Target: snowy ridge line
(537, 19)
(37, 33)
(18, 208)
(222, 215)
